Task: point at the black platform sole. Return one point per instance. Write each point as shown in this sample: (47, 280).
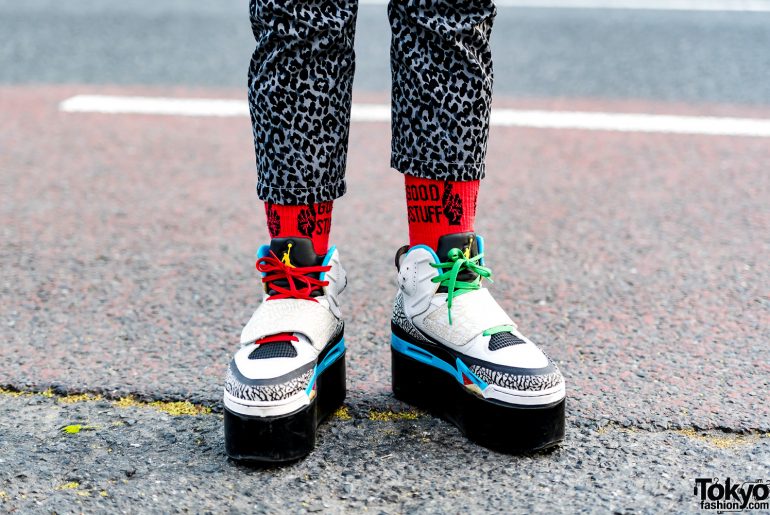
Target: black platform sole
(501, 427)
(285, 438)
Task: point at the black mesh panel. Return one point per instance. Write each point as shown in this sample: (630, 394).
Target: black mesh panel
(501, 340)
(274, 350)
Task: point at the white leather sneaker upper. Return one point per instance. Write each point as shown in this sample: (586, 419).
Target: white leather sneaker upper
(254, 385)
(422, 312)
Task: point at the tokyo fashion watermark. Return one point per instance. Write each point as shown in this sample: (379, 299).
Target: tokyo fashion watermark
(732, 496)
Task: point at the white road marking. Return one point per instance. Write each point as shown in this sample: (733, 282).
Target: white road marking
(655, 5)
(154, 105)
(631, 122)
(592, 121)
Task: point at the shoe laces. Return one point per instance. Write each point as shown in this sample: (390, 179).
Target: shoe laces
(459, 261)
(297, 282)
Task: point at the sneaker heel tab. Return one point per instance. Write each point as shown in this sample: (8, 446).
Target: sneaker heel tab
(431, 252)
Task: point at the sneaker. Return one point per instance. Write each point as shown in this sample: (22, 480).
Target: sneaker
(289, 373)
(456, 353)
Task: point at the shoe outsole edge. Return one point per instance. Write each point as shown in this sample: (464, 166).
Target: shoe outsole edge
(290, 437)
(501, 427)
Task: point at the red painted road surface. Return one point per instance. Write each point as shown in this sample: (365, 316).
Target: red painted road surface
(639, 261)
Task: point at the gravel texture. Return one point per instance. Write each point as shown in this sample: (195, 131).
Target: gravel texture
(142, 459)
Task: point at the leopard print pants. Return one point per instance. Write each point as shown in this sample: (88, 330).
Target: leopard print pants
(301, 79)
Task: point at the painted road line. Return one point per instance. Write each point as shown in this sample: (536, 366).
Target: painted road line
(108, 104)
(154, 105)
(631, 122)
(647, 5)
(592, 121)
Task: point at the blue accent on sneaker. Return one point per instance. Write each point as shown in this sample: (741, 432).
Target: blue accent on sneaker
(423, 356)
(263, 251)
(333, 355)
(480, 248)
(421, 246)
(327, 258)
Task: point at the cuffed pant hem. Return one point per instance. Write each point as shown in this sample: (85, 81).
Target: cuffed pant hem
(300, 196)
(437, 170)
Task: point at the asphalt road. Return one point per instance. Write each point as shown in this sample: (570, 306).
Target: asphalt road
(639, 261)
(140, 459)
(671, 56)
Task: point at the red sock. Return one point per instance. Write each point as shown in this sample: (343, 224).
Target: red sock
(437, 208)
(313, 221)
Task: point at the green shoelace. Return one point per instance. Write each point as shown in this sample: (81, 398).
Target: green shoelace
(451, 269)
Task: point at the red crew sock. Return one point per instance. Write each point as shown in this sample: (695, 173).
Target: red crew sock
(312, 221)
(437, 208)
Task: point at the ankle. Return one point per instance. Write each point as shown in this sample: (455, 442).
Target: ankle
(311, 221)
(437, 208)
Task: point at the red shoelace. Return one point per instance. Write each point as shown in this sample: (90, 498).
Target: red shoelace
(300, 284)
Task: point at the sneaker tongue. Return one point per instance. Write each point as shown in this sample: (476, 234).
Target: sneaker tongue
(299, 251)
(460, 240)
